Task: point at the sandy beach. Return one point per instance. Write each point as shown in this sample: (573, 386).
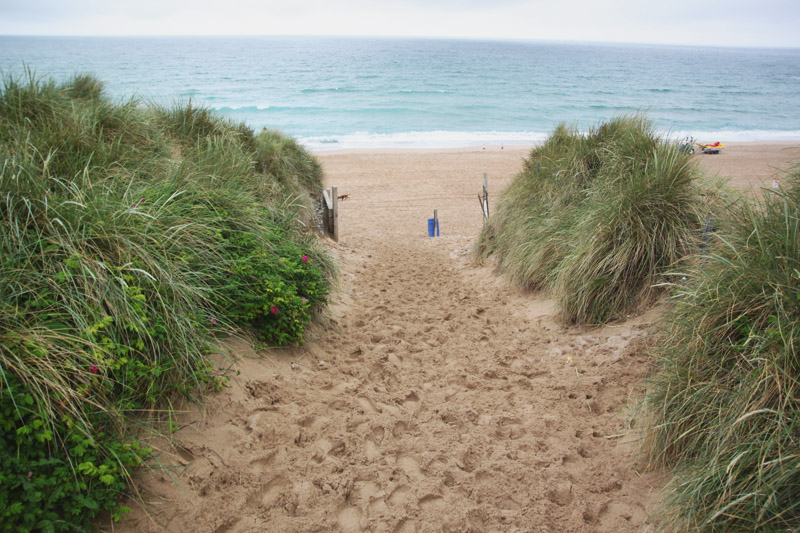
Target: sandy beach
(439, 397)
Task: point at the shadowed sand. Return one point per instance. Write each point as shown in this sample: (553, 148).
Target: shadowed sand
(440, 399)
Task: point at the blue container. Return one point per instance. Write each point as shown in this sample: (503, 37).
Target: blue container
(433, 228)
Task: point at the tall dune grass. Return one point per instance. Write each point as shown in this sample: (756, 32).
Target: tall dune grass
(129, 237)
(595, 219)
(725, 401)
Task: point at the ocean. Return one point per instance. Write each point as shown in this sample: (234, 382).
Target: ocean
(355, 93)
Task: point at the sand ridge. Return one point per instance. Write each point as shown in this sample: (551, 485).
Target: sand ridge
(441, 398)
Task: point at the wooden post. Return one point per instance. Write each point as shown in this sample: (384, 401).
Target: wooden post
(326, 212)
(486, 193)
(335, 213)
(435, 222)
(330, 213)
(484, 198)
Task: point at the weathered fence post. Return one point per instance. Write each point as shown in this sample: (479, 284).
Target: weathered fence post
(484, 198)
(326, 212)
(335, 214)
(330, 214)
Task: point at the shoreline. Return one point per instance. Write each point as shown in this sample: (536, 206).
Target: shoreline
(455, 149)
(780, 144)
(745, 165)
(490, 144)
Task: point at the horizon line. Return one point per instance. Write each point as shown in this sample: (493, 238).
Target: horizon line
(404, 37)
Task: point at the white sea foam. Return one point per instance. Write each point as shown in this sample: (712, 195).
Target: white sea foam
(465, 139)
(422, 139)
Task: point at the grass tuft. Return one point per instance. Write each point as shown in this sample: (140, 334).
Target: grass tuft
(724, 402)
(595, 220)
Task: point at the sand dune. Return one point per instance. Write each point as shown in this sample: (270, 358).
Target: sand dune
(440, 398)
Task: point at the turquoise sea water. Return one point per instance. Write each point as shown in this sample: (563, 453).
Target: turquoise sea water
(338, 93)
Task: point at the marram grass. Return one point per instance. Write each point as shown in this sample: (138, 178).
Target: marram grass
(129, 237)
(595, 220)
(725, 400)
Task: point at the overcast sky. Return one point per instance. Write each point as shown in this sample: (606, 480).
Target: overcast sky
(720, 22)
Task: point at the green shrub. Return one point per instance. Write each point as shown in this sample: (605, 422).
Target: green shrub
(54, 477)
(274, 285)
(596, 219)
(725, 400)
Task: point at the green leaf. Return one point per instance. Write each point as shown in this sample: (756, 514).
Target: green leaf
(90, 503)
(87, 468)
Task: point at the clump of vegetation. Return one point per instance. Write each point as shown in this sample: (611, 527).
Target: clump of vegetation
(725, 401)
(129, 237)
(596, 219)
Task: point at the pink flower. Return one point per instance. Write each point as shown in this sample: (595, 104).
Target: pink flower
(273, 310)
(94, 369)
(305, 259)
(304, 299)
(213, 320)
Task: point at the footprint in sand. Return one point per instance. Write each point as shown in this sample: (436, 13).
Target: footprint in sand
(368, 406)
(411, 401)
(378, 433)
(307, 421)
(508, 504)
(324, 448)
(392, 410)
(432, 503)
(399, 428)
(269, 495)
(364, 491)
(349, 519)
(399, 496)
(186, 456)
(405, 526)
(394, 359)
(260, 465)
(377, 507)
(410, 466)
(371, 451)
(321, 450)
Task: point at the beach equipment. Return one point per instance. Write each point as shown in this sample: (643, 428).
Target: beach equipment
(433, 225)
(687, 145)
(711, 148)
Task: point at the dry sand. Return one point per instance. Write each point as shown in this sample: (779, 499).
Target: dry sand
(441, 398)
(750, 166)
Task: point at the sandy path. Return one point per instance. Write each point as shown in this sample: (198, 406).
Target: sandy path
(441, 399)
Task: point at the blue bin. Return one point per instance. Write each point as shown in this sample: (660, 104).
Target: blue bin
(433, 228)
